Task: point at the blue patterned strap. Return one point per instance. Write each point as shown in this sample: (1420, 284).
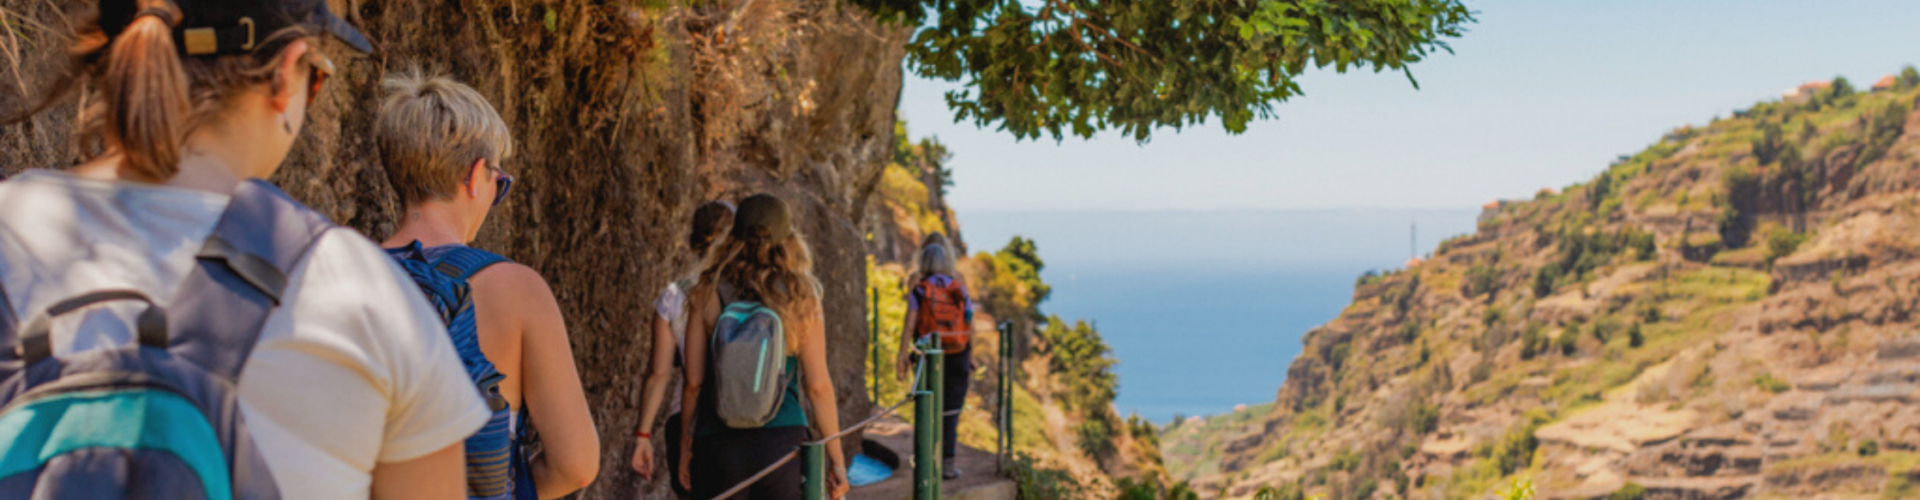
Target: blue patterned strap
(463, 262)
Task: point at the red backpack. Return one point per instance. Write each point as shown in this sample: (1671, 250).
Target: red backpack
(943, 310)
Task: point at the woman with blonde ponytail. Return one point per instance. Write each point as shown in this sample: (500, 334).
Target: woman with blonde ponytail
(164, 256)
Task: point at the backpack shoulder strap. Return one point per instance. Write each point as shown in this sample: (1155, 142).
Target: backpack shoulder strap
(10, 361)
(240, 276)
(462, 263)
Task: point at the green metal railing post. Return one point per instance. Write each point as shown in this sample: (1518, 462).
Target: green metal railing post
(814, 462)
(873, 344)
(1006, 390)
(926, 452)
(928, 415)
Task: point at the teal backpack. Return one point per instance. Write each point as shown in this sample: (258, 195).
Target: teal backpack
(749, 365)
(159, 418)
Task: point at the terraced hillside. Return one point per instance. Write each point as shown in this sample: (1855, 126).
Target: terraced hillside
(1727, 314)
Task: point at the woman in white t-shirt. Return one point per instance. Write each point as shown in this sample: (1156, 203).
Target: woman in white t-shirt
(710, 223)
(352, 389)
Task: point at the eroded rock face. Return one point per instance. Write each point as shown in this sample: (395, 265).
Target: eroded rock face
(626, 118)
(1710, 365)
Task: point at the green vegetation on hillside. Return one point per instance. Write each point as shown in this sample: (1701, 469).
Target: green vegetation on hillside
(1193, 446)
(1573, 306)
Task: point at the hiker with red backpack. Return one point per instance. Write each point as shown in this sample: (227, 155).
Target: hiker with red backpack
(756, 356)
(939, 307)
(171, 325)
(442, 146)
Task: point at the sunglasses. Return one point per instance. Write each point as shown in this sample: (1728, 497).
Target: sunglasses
(504, 183)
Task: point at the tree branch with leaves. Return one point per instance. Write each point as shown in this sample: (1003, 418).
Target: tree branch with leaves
(1082, 66)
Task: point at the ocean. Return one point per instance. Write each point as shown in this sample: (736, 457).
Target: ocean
(1206, 310)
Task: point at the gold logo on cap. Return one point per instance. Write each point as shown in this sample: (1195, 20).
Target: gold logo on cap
(201, 41)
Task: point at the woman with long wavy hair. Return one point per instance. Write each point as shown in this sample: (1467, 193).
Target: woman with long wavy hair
(763, 260)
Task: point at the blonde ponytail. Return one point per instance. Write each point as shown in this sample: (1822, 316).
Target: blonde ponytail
(145, 100)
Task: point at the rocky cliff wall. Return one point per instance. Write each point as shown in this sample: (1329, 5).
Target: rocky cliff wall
(627, 116)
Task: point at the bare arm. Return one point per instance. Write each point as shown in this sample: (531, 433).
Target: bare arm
(906, 342)
(659, 375)
(441, 474)
(700, 310)
(550, 384)
(819, 387)
(659, 371)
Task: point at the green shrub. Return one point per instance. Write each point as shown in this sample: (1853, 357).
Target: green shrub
(1869, 448)
(1338, 354)
(1482, 279)
(1083, 362)
(1095, 436)
(1544, 279)
(1603, 329)
(1629, 491)
(1522, 489)
(1367, 278)
(1425, 418)
(1144, 489)
(1365, 488)
(1634, 337)
(1883, 128)
(1346, 460)
(1782, 242)
(1283, 492)
(1642, 244)
(1767, 148)
(1769, 383)
(1568, 342)
(1515, 449)
(1533, 341)
(1841, 88)
(1407, 333)
(1040, 483)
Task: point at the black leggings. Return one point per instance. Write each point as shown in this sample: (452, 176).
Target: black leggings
(958, 373)
(728, 457)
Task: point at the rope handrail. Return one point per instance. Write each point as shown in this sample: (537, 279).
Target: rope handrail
(904, 399)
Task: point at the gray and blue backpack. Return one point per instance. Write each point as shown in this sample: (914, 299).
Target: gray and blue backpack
(159, 418)
(496, 459)
(749, 356)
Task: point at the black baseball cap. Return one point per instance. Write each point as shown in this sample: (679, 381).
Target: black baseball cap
(762, 218)
(227, 27)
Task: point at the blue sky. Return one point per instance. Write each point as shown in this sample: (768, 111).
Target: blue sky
(1538, 93)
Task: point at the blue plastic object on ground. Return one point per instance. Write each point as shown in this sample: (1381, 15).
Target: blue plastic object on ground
(866, 470)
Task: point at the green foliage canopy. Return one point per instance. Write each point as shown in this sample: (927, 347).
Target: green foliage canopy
(1080, 66)
(1016, 289)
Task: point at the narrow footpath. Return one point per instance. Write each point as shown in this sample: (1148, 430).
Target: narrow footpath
(981, 478)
